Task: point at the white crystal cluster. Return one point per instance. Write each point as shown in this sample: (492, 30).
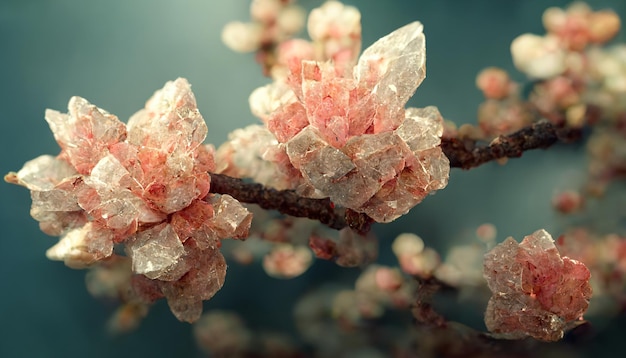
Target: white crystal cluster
(143, 186)
(347, 133)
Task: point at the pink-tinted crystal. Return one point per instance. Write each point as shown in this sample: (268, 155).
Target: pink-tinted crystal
(249, 153)
(394, 66)
(421, 128)
(201, 282)
(145, 188)
(82, 247)
(193, 222)
(85, 133)
(44, 172)
(231, 219)
(155, 251)
(170, 121)
(535, 292)
(348, 133)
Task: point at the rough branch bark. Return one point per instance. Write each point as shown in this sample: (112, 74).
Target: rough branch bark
(462, 154)
(543, 134)
(290, 203)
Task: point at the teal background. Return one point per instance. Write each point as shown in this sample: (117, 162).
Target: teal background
(117, 53)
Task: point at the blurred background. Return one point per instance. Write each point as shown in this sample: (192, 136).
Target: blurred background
(117, 53)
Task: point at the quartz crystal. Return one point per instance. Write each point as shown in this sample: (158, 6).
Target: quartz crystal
(347, 133)
(231, 218)
(155, 251)
(536, 292)
(143, 186)
(200, 283)
(81, 247)
(85, 133)
(394, 66)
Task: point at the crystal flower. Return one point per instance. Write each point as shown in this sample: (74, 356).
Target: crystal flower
(348, 134)
(143, 186)
(536, 292)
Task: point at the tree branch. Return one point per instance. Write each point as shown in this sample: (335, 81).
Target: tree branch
(423, 310)
(543, 134)
(289, 203)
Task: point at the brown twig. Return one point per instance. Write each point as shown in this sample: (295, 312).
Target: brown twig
(543, 134)
(290, 203)
(423, 310)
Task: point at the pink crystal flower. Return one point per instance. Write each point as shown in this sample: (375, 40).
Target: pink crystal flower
(143, 186)
(536, 292)
(348, 134)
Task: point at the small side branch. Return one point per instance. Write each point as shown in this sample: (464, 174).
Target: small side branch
(423, 310)
(543, 134)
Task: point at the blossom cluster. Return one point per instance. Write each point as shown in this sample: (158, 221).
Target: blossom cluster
(573, 70)
(339, 320)
(132, 201)
(343, 131)
(582, 82)
(335, 126)
(536, 291)
(579, 80)
(334, 29)
(142, 187)
(286, 246)
(605, 256)
(273, 21)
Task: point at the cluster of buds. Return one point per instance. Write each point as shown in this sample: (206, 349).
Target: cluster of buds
(571, 71)
(273, 21)
(334, 29)
(414, 258)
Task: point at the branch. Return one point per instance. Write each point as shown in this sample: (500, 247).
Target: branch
(543, 134)
(453, 339)
(423, 310)
(289, 203)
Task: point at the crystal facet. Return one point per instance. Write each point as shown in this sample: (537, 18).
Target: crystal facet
(155, 251)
